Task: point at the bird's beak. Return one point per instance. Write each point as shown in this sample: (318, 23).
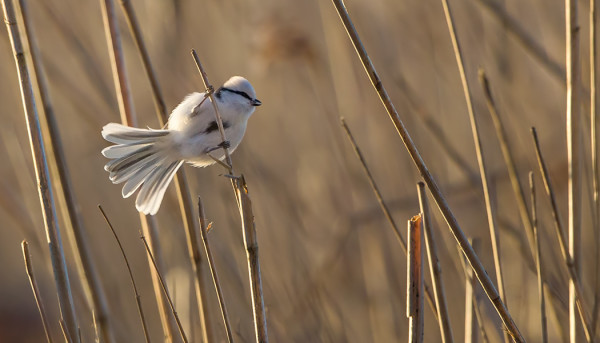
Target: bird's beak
(256, 102)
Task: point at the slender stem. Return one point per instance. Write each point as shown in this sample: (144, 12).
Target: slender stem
(574, 153)
(204, 227)
(164, 288)
(34, 288)
(44, 182)
(573, 278)
(538, 259)
(414, 287)
(84, 261)
(480, 272)
(508, 159)
(594, 157)
(435, 268)
(384, 207)
(128, 117)
(183, 193)
(133, 285)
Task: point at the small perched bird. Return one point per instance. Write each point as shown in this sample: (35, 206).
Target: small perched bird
(148, 158)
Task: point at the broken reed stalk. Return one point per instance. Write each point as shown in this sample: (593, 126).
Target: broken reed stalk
(573, 155)
(414, 287)
(538, 259)
(127, 113)
(133, 285)
(480, 272)
(164, 288)
(181, 184)
(204, 227)
(384, 208)
(508, 159)
(247, 217)
(44, 183)
(34, 288)
(84, 261)
(494, 235)
(435, 267)
(560, 234)
(594, 160)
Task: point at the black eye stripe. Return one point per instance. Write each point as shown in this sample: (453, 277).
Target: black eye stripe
(244, 94)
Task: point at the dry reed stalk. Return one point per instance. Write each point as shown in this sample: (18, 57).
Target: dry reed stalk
(133, 285)
(204, 227)
(594, 160)
(508, 159)
(385, 209)
(473, 315)
(435, 267)
(414, 287)
(44, 182)
(538, 259)
(84, 261)
(480, 272)
(34, 288)
(181, 184)
(573, 154)
(127, 113)
(64, 331)
(566, 254)
(247, 217)
(164, 288)
(494, 235)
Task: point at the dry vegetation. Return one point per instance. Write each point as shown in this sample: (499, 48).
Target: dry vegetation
(333, 265)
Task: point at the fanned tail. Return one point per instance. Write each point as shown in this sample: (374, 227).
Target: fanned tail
(141, 158)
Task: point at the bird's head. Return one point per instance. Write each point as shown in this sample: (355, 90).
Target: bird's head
(237, 90)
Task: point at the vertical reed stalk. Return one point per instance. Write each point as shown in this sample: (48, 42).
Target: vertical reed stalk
(128, 117)
(538, 259)
(566, 254)
(246, 214)
(470, 317)
(480, 272)
(44, 183)
(34, 288)
(574, 153)
(494, 235)
(133, 285)
(435, 267)
(181, 184)
(84, 261)
(204, 227)
(414, 287)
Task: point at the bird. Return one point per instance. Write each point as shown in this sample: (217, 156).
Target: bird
(147, 159)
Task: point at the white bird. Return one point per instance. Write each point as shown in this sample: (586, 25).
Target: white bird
(148, 158)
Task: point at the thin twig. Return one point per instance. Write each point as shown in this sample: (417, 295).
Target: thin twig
(594, 157)
(538, 259)
(204, 227)
(128, 117)
(84, 262)
(573, 154)
(471, 300)
(414, 287)
(435, 267)
(135, 290)
(573, 278)
(382, 204)
(183, 193)
(34, 288)
(480, 272)
(44, 182)
(508, 159)
(164, 288)
(494, 235)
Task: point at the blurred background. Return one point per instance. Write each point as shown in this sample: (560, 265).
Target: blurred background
(332, 268)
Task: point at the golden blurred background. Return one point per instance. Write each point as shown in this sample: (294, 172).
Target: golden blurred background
(332, 269)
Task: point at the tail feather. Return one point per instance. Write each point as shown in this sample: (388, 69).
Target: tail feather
(153, 189)
(142, 158)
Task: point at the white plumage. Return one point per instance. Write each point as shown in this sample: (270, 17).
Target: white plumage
(147, 159)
